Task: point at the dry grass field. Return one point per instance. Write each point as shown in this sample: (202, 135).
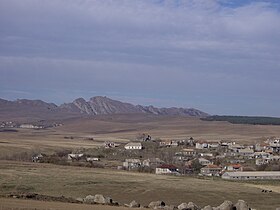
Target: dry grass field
(15, 204)
(126, 186)
(122, 128)
(127, 126)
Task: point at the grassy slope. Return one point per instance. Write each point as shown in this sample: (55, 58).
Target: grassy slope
(124, 187)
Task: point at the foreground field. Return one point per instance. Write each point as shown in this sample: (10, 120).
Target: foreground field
(9, 204)
(124, 186)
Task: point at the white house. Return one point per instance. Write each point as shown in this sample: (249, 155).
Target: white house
(252, 175)
(211, 170)
(167, 169)
(133, 145)
(201, 145)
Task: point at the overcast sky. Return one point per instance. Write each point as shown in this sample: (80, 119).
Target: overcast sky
(220, 56)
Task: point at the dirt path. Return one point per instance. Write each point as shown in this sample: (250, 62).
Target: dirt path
(10, 204)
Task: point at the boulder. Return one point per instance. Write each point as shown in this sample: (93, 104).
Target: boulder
(183, 206)
(241, 205)
(89, 199)
(80, 200)
(134, 204)
(226, 205)
(100, 199)
(188, 206)
(207, 208)
(156, 204)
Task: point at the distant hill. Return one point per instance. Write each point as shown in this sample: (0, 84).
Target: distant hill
(245, 120)
(104, 105)
(29, 110)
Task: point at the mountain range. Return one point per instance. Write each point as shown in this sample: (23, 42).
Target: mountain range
(99, 105)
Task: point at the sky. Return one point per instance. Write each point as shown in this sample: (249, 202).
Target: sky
(219, 56)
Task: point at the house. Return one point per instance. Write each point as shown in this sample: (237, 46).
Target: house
(233, 167)
(236, 147)
(152, 162)
(133, 146)
(213, 145)
(37, 158)
(206, 155)
(204, 161)
(211, 170)
(260, 162)
(275, 145)
(131, 164)
(189, 152)
(201, 145)
(262, 155)
(73, 157)
(247, 152)
(108, 144)
(167, 169)
(169, 143)
(252, 175)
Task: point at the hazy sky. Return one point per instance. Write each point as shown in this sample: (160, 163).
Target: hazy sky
(220, 56)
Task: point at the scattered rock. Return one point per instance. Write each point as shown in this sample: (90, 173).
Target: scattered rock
(134, 204)
(226, 205)
(156, 204)
(207, 208)
(183, 206)
(100, 199)
(89, 199)
(241, 205)
(188, 206)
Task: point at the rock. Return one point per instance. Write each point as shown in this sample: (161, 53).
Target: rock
(100, 199)
(171, 207)
(193, 206)
(156, 204)
(183, 206)
(207, 208)
(226, 205)
(81, 200)
(278, 208)
(241, 205)
(188, 206)
(89, 199)
(134, 204)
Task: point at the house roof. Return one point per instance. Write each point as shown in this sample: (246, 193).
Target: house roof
(134, 144)
(253, 173)
(236, 165)
(212, 166)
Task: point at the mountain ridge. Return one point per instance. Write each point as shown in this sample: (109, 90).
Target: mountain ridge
(103, 105)
(98, 105)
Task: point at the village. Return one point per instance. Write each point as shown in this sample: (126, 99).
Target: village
(180, 157)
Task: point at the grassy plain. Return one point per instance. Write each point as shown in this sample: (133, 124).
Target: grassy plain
(124, 186)
(122, 128)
